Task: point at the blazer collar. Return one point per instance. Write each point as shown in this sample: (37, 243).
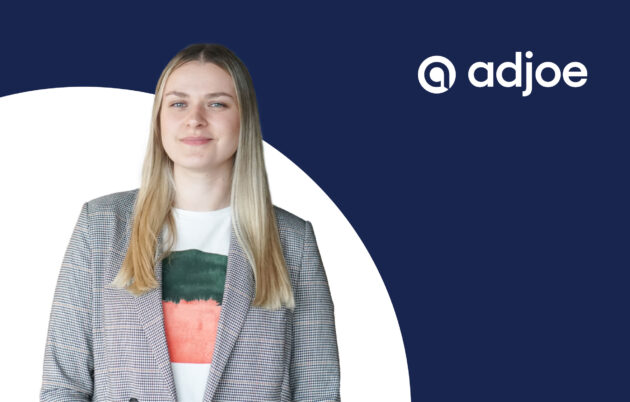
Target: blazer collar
(237, 297)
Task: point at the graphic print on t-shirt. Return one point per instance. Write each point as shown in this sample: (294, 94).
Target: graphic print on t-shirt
(192, 294)
(193, 279)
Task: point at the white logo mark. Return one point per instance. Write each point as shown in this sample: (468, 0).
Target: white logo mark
(438, 75)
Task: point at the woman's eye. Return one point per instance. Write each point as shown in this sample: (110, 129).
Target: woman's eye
(214, 105)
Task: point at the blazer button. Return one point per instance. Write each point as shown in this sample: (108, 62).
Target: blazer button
(133, 400)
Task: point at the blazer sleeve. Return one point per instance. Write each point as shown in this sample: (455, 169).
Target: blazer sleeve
(68, 360)
(315, 360)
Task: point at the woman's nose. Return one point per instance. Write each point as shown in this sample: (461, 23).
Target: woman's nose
(196, 117)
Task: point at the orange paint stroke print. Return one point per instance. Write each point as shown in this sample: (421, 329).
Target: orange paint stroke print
(190, 328)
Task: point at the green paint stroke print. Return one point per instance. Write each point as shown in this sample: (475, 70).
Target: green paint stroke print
(193, 275)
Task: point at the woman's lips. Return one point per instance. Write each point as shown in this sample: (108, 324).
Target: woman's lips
(196, 141)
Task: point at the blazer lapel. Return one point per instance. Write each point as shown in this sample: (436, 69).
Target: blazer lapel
(237, 297)
(149, 307)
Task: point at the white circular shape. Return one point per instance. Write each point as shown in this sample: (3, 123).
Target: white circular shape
(429, 87)
(529, 54)
(556, 74)
(65, 146)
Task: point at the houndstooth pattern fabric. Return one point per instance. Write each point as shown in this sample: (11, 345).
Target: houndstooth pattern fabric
(105, 344)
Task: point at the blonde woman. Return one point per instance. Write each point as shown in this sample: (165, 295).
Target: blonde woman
(194, 287)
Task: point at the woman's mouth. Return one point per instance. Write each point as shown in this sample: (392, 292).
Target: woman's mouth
(196, 140)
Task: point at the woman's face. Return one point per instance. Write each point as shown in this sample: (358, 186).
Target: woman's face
(199, 118)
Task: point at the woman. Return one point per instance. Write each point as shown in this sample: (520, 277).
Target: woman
(194, 286)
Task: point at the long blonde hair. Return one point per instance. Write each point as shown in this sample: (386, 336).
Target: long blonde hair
(253, 217)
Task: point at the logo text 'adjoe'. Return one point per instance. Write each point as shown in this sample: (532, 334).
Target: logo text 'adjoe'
(436, 74)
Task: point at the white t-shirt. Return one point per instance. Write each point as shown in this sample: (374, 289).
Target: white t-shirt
(193, 279)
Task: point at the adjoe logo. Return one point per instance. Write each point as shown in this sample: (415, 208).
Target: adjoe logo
(438, 75)
(482, 74)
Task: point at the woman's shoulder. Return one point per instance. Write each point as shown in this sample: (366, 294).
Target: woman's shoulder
(289, 222)
(120, 203)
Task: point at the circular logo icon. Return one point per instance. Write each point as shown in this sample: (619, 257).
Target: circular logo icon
(436, 74)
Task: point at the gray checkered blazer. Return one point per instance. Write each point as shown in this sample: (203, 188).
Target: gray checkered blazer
(104, 344)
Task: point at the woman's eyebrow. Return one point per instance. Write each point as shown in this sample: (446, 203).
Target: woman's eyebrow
(210, 95)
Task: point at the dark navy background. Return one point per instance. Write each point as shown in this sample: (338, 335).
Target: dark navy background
(498, 222)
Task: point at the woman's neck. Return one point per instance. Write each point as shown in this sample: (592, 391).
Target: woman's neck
(196, 191)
